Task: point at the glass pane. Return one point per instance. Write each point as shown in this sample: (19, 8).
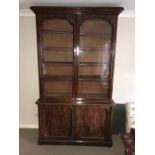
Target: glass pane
(91, 87)
(57, 40)
(91, 56)
(57, 25)
(94, 70)
(94, 56)
(57, 58)
(87, 41)
(57, 33)
(95, 26)
(58, 88)
(60, 56)
(52, 69)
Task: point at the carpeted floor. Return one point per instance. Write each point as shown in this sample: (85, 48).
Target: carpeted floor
(28, 146)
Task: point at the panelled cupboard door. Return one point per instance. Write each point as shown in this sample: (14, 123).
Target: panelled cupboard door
(55, 121)
(56, 55)
(91, 122)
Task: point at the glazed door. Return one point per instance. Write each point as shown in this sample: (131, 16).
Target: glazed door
(91, 122)
(94, 56)
(56, 56)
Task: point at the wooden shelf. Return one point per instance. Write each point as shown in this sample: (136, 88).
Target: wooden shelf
(57, 63)
(70, 49)
(57, 78)
(83, 77)
(96, 34)
(103, 84)
(92, 49)
(91, 63)
(70, 78)
(52, 32)
(58, 49)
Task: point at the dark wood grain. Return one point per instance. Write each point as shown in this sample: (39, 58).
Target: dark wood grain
(75, 103)
(91, 122)
(57, 121)
(77, 10)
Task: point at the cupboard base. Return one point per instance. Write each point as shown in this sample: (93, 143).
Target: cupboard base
(107, 143)
(73, 124)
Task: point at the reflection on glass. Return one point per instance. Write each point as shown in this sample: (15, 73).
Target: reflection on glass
(105, 59)
(94, 55)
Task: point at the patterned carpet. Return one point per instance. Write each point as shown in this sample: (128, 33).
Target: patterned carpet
(28, 146)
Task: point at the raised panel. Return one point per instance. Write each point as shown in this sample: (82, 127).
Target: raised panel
(91, 122)
(56, 121)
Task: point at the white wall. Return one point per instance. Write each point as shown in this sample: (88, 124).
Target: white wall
(123, 89)
(29, 92)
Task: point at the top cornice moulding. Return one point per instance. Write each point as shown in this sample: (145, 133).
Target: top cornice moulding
(125, 13)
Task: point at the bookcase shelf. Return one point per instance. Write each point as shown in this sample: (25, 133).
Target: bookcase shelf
(91, 63)
(61, 78)
(84, 77)
(57, 49)
(46, 31)
(97, 35)
(57, 63)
